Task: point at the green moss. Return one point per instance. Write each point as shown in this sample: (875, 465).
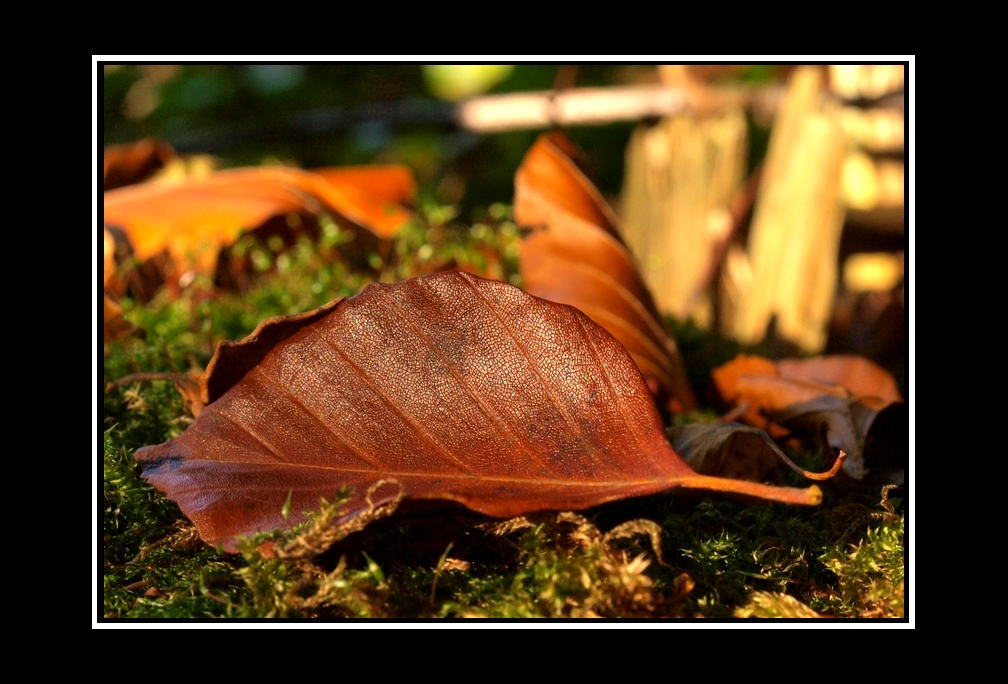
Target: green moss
(764, 604)
(565, 567)
(721, 558)
(287, 578)
(154, 566)
(436, 241)
(871, 573)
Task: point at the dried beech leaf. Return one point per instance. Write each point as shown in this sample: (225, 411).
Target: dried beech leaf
(234, 359)
(554, 186)
(192, 220)
(574, 255)
(729, 450)
(872, 431)
(861, 377)
(374, 195)
(456, 387)
(805, 395)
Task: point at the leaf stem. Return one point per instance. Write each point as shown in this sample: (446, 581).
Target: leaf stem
(809, 496)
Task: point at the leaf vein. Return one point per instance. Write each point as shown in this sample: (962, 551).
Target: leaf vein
(481, 401)
(439, 449)
(353, 448)
(557, 404)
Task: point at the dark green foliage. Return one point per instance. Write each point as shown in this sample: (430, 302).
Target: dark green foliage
(351, 113)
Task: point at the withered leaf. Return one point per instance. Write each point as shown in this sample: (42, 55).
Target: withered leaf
(728, 450)
(856, 401)
(189, 222)
(574, 255)
(861, 377)
(373, 195)
(453, 386)
(737, 451)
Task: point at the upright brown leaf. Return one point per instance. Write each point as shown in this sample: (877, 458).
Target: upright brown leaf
(453, 386)
(574, 255)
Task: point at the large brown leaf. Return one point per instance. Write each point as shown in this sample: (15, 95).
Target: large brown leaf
(575, 255)
(456, 387)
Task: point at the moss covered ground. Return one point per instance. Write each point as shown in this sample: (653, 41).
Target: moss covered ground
(664, 556)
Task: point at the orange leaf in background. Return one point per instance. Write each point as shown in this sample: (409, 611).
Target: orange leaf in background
(171, 229)
(575, 255)
(855, 400)
(135, 162)
(194, 219)
(455, 387)
(861, 377)
(374, 195)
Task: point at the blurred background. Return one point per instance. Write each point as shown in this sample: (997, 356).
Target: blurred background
(763, 202)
